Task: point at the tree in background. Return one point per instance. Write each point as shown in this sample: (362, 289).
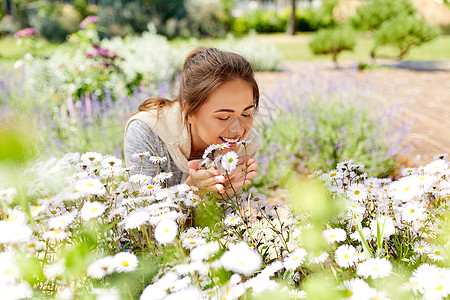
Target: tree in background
(291, 24)
(404, 32)
(333, 41)
(392, 23)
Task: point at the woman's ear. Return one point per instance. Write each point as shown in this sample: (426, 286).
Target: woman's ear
(185, 108)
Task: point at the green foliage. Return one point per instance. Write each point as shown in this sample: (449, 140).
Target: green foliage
(260, 21)
(333, 41)
(405, 32)
(372, 15)
(268, 21)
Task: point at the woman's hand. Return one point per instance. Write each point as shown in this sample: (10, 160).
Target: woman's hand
(212, 181)
(205, 180)
(241, 176)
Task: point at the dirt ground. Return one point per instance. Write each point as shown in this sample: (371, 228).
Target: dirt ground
(422, 89)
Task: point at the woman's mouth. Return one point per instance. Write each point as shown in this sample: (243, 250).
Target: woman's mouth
(231, 141)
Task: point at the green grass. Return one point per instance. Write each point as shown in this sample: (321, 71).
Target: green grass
(293, 48)
(10, 51)
(296, 48)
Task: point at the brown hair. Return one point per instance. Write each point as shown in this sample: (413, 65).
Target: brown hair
(204, 70)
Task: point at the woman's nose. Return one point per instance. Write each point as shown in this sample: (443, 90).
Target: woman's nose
(236, 126)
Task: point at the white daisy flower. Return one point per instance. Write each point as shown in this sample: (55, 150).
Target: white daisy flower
(422, 247)
(55, 272)
(141, 154)
(111, 172)
(375, 268)
(296, 294)
(409, 171)
(204, 252)
(230, 161)
(90, 186)
(91, 157)
(136, 219)
(437, 253)
(334, 235)
(293, 260)
(319, 257)
(61, 222)
(125, 262)
(357, 192)
(345, 256)
(258, 199)
(56, 234)
(406, 188)
(111, 161)
(92, 210)
(232, 219)
(357, 289)
(166, 231)
(14, 232)
(157, 159)
(241, 259)
(436, 167)
(413, 211)
(101, 267)
(139, 178)
(65, 294)
(193, 242)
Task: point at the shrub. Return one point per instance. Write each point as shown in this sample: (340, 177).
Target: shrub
(333, 41)
(404, 32)
(260, 21)
(371, 15)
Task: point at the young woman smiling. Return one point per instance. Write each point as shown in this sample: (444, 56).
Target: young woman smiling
(217, 100)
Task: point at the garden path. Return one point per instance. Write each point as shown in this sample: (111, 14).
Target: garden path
(421, 88)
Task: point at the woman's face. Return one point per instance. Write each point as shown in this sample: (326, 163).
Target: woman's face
(226, 116)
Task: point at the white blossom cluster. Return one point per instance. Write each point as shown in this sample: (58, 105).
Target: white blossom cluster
(134, 217)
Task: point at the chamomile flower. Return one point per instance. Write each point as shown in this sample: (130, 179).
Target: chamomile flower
(91, 157)
(258, 199)
(101, 267)
(413, 211)
(61, 222)
(232, 219)
(157, 159)
(166, 231)
(55, 234)
(241, 259)
(375, 268)
(334, 235)
(14, 232)
(191, 242)
(422, 247)
(141, 154)
(293, 260)
(125, 262)
(345, 256)
(436, 253)
(296, 294)
(55, 272)
(204, 252)
(357, 289)
(111, 161)
(92, 210)
(230, 161)
(319, 257)
(90, 186)
(357, 192)
(356, 236)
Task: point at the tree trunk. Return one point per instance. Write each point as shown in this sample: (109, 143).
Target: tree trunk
(7, 7)
(291, 25)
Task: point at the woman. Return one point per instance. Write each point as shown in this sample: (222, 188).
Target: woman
(217, 100)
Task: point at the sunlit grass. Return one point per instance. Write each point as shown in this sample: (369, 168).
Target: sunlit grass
(296, 48)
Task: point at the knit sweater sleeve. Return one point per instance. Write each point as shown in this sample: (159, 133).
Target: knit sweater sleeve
(140, 138)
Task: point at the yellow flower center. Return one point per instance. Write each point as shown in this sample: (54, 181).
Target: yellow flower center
(357, 192)
(89, 184)
(346, 256)
(125, 263)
